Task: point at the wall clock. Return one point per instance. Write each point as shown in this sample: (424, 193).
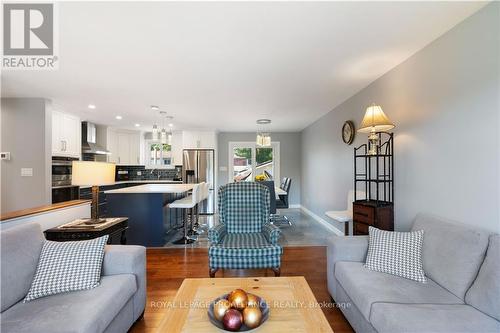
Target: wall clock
(348, 132)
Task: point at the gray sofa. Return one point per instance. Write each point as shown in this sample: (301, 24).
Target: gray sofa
(462, 294)
(113, 306)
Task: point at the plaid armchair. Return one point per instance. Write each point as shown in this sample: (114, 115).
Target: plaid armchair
(244, 238)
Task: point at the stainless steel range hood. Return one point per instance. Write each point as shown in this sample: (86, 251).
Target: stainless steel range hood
(89, 145)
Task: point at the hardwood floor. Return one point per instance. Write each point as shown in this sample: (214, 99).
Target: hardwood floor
(167, 268)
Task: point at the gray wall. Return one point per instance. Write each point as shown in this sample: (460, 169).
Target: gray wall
(289, 157)
(444, 102)
(26, 134)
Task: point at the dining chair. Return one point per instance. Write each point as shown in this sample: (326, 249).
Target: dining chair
(282, 203)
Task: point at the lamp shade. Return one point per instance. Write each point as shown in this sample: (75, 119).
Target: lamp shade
(263, 139)
(92, 173)
(375, 120)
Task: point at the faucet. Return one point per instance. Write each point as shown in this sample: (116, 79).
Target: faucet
(157, 172)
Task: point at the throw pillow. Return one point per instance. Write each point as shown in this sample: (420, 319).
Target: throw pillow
(397, 253)
(67, 266)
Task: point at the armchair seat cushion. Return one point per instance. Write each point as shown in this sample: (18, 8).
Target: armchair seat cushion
(245, 245)
(81, 311)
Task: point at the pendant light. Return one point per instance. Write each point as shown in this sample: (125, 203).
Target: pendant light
(163, 133)
(170, 125)
(263, 138)
(169, 138)
(163, 136)
(155, 131)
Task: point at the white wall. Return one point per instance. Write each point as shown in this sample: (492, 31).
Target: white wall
(444, 101)
(26, 134)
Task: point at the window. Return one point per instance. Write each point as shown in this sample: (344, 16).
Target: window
(158, 155)
(242, 164)
(248, 161)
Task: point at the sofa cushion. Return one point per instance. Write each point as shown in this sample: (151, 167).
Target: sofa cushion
(387, 317)
(396, 253)
(68, 266)
(484, 294)
(366, 287)
(20, 250)
(82, 311)
(452, 253)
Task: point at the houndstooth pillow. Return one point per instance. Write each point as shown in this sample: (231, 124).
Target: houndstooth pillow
(397, 253)
(67, 266)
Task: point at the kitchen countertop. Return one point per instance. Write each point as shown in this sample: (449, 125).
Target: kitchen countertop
(151, 181)
(153, 188)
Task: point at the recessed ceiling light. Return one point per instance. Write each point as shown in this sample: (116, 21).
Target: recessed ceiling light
(137, 125)
(91, 106)
(155, 107)
(118, 117)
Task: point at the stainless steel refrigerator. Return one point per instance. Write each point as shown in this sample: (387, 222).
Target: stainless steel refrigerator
(198, 165)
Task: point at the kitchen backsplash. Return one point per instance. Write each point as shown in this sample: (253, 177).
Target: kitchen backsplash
(138, 172)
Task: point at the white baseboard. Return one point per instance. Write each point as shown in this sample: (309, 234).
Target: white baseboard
(321, 221)
(294, 206)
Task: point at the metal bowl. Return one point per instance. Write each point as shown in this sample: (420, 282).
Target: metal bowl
(264, 308)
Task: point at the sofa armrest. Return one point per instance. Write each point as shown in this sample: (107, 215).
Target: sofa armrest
(271, 232)
(128, 259)
(343, 248)
(216, 234)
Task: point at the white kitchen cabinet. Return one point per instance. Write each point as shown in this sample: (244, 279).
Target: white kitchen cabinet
(124, 147)
(199, 139)
(134, 152)
(177, 148)
(112, 145)
(66, 135)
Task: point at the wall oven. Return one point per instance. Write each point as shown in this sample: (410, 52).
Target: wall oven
(62, 190)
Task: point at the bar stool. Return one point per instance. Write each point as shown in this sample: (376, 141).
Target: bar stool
(194, 226)
(204, 192)
(345, 216)
(187, 203)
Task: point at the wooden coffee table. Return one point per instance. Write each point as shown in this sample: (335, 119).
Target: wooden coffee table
(293, 306)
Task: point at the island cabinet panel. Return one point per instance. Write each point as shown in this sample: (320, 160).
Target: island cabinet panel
(86, 193)
(149, 216)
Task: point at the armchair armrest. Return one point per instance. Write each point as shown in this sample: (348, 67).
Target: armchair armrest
(271, 232)
(343, 248)
(128, 259)
(216, 234)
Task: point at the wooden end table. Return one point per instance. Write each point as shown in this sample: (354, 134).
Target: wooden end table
(293, 307)
(77, 230)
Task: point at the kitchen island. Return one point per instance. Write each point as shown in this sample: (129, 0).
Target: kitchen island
(146, 206)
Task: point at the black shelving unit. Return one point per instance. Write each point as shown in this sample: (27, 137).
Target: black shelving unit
(374, 174)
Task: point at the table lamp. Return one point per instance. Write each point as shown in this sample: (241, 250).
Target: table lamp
(93, 174)
(375, 121)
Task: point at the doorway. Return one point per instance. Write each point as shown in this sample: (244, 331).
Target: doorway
(247, 161)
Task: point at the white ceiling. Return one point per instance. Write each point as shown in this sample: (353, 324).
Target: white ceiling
(220, 65)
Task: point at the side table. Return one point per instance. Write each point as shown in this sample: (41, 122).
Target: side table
(77, 230)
